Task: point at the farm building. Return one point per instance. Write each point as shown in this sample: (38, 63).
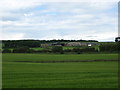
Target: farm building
(82, 44)
(76, 44)
(92, 43)
(70, 44)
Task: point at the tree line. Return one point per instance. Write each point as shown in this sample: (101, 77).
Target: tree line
(104, 47)
(35, 43)
(24, 46)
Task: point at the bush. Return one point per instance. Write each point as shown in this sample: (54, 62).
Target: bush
(6, 51)
(0, 50)
(89, 49)
(67, 50)
(77, 50)
(56, 49)
(31, 51)
(109, 47)
(86, 49)
(21, 50)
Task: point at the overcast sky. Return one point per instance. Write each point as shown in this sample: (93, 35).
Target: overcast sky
(33, 19)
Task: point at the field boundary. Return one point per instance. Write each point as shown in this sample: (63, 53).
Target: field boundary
(62, 61)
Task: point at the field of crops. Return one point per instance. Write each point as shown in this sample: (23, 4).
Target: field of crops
(60, 75)
(57, 57)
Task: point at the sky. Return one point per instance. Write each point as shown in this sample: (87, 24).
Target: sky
(47, 20)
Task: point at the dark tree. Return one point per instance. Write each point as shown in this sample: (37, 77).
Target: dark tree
(56, 49)
(6, 51)
(117, 39)
(21, 50)
(109, 47)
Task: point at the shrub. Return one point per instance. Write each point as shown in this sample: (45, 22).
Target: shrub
(6, 51)
(56, 49)
(109, 47)
(21, 50)
(67, 50)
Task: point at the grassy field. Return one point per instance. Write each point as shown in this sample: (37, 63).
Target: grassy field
(59, 75)
(57, 57)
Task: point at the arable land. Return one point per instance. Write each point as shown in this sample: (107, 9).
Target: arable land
(46, 70)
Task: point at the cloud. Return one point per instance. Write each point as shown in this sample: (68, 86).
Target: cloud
(11, 36)
(12, 5)
(55, 20)
(101, 37)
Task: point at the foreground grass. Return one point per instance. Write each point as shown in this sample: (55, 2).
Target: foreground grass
(59, 75)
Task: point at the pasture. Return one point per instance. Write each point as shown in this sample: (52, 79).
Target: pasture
(99, 74)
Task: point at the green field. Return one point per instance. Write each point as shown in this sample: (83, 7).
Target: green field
(57, 57)
(60, 75)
